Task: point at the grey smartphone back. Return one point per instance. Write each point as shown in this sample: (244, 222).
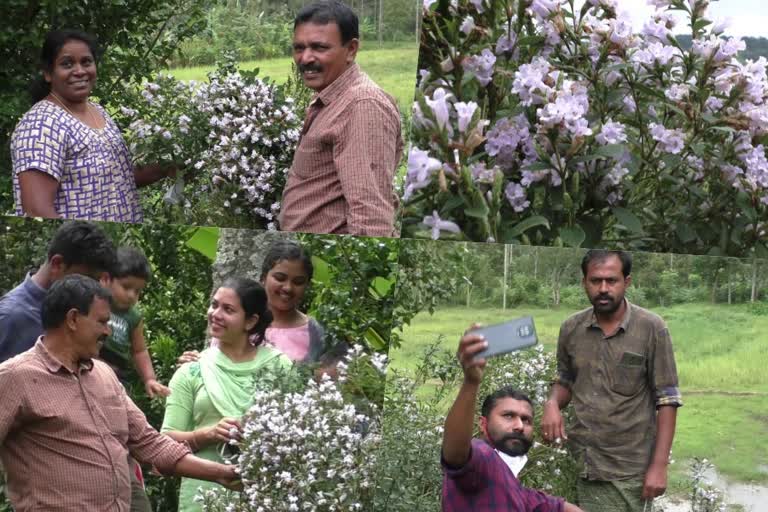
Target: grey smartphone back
(506, 337)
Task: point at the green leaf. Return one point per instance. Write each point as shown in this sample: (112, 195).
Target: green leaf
(611, 150)
(204, 240)
(539, 166)
(743, 202)
(628, 219)
(322, 272)
(572, 236)
(700, 24)
(450, 204)
(380, 286)
(685, 233)
(478, 208)
(374, 339)
(522, 227)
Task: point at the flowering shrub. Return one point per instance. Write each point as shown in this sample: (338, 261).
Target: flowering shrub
(539, 123)
(704, 497)
(307, 450)
(233, 135)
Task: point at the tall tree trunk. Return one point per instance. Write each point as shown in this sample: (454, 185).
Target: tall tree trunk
(381, 22)
(240, 252)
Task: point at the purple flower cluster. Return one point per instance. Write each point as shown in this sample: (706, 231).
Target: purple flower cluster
(568, 109)
(481, 66)
(421, 167)
(515, 194)
(670, 141)
(533, 82)
(506, 138)
(612, 133)
(251, 142)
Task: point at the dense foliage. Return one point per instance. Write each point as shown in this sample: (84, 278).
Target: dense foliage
(310, 449)
(231, 137)
(538, 122)
(262, 29)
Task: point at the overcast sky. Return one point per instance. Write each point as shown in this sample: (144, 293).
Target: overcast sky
(747, 17)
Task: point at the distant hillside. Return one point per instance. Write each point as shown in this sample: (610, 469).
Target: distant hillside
(756, 47)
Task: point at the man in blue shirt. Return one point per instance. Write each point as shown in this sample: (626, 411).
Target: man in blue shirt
(77, 248)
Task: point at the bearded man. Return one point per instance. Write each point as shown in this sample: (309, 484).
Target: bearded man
(616, 365)
(480, 475)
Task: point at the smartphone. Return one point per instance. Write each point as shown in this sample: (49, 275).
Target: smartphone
(507, 337)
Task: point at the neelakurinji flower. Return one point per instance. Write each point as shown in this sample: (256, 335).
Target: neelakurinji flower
(420, 169)
(437, 224)
(465, 112)
(671, 141)
(611, 133)
(481, 66)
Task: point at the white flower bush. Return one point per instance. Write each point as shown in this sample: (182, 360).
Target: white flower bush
(545, 123)
(233, 135)
(310, 450)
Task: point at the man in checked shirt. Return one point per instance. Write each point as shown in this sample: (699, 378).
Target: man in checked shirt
(616, 365)
(479, 473)
(341, 177)
(66, 424)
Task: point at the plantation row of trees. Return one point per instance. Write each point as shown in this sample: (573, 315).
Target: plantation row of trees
(551, 277)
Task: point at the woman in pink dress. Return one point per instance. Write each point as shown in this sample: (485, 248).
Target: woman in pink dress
(286, 272)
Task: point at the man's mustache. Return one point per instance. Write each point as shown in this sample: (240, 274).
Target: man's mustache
(310, 67)
(516, 436)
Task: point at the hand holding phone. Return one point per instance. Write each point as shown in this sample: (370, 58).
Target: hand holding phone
(506, 337)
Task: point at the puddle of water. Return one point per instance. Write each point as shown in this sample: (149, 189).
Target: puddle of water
(754, 498)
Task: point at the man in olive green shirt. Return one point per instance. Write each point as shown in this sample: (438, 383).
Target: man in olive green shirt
(616, 365)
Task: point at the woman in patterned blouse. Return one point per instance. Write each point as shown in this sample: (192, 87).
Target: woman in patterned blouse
(69, 158)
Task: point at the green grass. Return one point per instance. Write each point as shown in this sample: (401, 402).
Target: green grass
(721, 353)
(393, 67)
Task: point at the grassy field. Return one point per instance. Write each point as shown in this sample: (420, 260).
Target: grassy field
(721, 353)
(393, 67)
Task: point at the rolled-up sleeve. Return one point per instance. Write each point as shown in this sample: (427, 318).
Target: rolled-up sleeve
(149, 446)
(664, 371)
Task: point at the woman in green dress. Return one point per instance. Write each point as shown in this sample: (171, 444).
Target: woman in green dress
(210, 395)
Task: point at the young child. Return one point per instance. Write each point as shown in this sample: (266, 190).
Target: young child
(125, 347)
